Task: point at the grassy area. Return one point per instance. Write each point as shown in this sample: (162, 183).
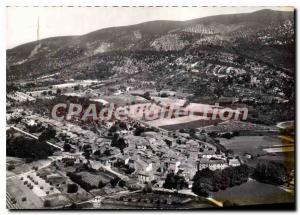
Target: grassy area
(188, 125)
(122, 100)
(158, 199)
(250, 144)
(255, 145)
(18, 190)
(254, 192)
(286, 158)
(21, 166)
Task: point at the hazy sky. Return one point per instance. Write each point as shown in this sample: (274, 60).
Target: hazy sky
(62, 21)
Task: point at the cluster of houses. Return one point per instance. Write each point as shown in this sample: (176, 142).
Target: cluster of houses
(155, 154)
(152, 155)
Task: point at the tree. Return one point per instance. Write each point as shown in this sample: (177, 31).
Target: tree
(170, 181)
(76, 87)
(119, 142)
(147, 188)
(240, 60)
(87, 151)
(72, 188)
(270, 173)
(47, 203)
(122, 183)
(67, 147)
(47, 134)
(97, 152)
(101, 184)
(139, 130)
(147, 95)
(175, 182)
(58, 91)
(10, 167)
(30, 149)
(192, 132)
(113, 128)
(206, 180)
(114, 181)
(201, 189)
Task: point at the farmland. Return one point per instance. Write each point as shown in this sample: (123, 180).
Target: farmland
(18, 190)
(254, 192)
(255, 146)
(250, 144)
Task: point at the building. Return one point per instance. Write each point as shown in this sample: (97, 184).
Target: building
(233, 162)
(211, 164)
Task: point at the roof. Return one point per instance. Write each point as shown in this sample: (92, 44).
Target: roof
(207, 161)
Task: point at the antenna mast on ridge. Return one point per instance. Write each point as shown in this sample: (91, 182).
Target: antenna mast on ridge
(38, 30)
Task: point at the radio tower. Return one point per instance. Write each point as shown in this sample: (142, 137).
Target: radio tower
(38, 30)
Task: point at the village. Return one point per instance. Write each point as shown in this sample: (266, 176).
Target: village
(137, 152)
(162, 114)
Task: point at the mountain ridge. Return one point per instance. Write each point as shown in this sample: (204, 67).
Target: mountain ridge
(220, 31)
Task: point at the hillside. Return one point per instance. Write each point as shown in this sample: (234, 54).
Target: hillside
(248, 55)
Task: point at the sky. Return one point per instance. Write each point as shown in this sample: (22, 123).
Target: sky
(21, 22)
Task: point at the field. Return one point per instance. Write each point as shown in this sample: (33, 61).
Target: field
(232, 125)
(94, 178)
(250, 144)
(21, 166)
(287, 158)
(255, 145)
(175, 121)
(18, 190)
(122, 100)
(169, 101)
(157, 200)
(195, 122)
(254, 192)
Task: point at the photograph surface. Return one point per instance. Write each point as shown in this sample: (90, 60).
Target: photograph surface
(150, 108)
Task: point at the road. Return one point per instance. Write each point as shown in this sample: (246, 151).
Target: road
(98, 199)
(190, 193)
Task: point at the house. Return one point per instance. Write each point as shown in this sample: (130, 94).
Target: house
(56, 178)
(212, 164)
(187, 170)
(140, 146)
(192, 144)
(233, 162)
(107, 162)
(144, 177)
(173, 165)
(247, 155)
(143, 165)
(207, 154)
(193, 153)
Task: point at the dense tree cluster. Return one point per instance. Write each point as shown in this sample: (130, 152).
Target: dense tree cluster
(87, 151)
(117, 181)
(72, 188)
(270, 173)
(78, 179)
(67, 147)
(175, 181)
(47, 134)
(118, 142)
(139, 129)
(27, 148)
(206, 181)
